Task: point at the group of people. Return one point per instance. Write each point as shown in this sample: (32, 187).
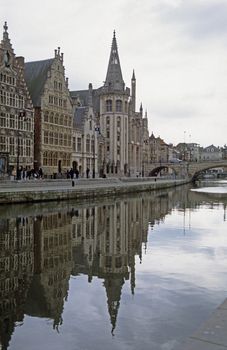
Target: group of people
(72, 174)
(24, 174)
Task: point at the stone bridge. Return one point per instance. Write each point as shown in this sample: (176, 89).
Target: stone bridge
(186, 169)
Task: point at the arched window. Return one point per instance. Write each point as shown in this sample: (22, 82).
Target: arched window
(126, 107)
(118, 106)
(108, 105)
(46, 117)
(88, 144)
(45, 158)
(55, 159)
(52, 117)
(93, 144)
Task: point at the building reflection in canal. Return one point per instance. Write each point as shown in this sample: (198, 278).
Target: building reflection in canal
(16, 271)
(40, 251)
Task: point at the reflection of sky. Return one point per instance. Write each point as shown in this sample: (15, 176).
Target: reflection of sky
(188, 246)
(180, 281)
(218, 189)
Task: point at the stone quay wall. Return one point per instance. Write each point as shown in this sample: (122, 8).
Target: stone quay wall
(55, 190)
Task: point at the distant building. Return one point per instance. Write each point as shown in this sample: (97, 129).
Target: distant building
(211, 153)
(159, 150)
(224, 152)
(16, 112)
(189, 152)
(48, 88)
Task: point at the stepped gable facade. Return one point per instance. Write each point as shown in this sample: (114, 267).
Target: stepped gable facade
(48, 88)
(16, 112)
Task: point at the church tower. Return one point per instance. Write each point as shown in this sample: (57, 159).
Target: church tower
(114, 99)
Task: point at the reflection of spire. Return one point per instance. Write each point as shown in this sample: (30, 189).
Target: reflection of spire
(113, 287)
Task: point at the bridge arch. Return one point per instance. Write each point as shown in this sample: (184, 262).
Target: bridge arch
(157, 170)
(202, 169)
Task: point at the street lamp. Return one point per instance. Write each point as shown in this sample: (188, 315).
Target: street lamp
(22, 114)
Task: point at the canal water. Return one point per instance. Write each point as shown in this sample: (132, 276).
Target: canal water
(139, 272)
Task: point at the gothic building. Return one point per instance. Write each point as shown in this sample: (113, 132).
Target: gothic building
(85, 135)
(16, 111)
(122, 130)
(53, 113)
(113, 115)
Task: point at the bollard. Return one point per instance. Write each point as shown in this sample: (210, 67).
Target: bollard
(73, 183)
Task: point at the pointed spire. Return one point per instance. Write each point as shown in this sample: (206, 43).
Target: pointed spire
(133, 75)
(133, 92)
(114, 79)
(141, 109)
(90, 95)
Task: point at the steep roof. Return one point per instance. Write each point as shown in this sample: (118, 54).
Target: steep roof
(114, 79)
(79, 117)
(36, 76)
(83, 95)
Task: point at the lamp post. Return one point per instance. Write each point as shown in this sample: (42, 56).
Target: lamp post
(22, 114)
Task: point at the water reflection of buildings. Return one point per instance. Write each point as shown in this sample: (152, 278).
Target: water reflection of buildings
(107, 239)
(53, 263)
(102, 241)
(16, 270)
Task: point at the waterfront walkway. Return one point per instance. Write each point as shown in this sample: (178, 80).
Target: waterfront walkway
(61, 189)
(212, 335)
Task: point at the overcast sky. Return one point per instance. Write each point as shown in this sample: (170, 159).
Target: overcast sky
(178, 49)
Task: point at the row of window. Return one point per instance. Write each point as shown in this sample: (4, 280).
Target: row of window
(11, 99)
(90, 144)
(12, 121)
(57, 85)
(5, 78)
(118, 135)
(51, 159)
(118, 106)
(54, 138)
(10, 144)
(55, 221)
(118, 122)
(57, 119)
(56, 101)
